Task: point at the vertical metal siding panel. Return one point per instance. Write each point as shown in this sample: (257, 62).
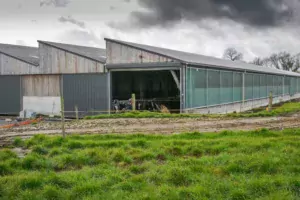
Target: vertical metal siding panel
(1, 72)
(87, 91)
(10, 89)
(1, 63)
(41, 85)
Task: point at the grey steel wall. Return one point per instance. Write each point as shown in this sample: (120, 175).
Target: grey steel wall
(10, 95)
(88, 91)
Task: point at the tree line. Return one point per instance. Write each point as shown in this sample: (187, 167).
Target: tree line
(282, 60)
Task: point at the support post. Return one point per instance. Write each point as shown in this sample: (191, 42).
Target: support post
(109, 89)
(176, 79)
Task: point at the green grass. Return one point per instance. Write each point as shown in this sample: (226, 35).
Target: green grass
(278, 110)
(148, 114)
(259, 164)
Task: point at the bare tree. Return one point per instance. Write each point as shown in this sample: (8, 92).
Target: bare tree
(232, 54)
(258, 61)
(283, 61)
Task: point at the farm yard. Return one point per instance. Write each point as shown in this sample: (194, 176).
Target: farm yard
(260, 164)
(282, 116)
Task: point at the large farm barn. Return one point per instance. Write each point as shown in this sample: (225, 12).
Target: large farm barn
(202, 84)
(91, 78)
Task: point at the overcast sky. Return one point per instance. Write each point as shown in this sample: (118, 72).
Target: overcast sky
(254, 27)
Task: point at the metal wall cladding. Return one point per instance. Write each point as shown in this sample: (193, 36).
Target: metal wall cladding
(41, 85)
(10, 95)
(89, 92)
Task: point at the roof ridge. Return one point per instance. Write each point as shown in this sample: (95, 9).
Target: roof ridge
(43, 41)
(16, 45)
(133, 43)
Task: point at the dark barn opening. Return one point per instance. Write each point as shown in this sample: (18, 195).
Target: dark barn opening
(160, 87)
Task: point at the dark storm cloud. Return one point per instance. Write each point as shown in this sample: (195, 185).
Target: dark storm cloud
(71, 20)
(261, 13)
(56, 3)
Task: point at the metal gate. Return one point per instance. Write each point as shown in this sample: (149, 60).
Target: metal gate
(89, 92)
(10, 95)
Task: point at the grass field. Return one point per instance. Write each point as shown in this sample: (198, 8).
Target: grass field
(279, 110)
(260, 164)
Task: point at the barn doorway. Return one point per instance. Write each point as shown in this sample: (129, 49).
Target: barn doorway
(151, 88)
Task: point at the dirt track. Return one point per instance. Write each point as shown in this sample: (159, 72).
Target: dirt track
(161, 126)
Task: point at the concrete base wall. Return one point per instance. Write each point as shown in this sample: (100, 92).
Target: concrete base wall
(241, 107)
(42, 105)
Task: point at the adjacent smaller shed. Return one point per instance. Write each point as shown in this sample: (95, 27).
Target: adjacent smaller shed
(79, 72)
(15, 62)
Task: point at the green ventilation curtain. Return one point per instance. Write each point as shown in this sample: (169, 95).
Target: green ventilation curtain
(249, 86)
(287, 82)
(237, 86)
(263, 86)
(213, 97)
(226, 87)
(256, 86)
(207, 87)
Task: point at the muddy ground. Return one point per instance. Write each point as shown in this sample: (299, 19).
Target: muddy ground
(151, 126)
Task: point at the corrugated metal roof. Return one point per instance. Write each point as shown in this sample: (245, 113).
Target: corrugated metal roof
(201, 60)
(23, 53)
(97, 54)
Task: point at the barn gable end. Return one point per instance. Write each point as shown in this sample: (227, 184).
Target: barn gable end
(118, 53)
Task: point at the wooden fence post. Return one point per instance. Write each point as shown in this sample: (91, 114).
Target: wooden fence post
(63, 116)
(270, 101)
(133, 102)
(76, 112)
